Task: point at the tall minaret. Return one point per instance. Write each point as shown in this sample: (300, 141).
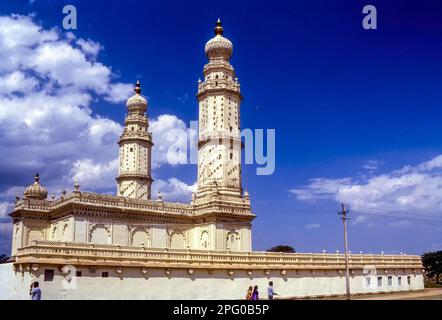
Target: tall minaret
(219, 143)
(134, 178)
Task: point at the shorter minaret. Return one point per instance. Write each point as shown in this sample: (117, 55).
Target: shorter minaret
(134, 174)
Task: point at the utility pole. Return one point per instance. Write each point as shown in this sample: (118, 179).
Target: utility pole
(343, 214)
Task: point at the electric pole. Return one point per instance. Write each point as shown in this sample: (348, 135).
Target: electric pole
(343, 214)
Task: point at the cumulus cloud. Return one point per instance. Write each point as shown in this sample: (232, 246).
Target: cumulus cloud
(49, 81)
(4, 206)
(416, 189)
(173, 189)
(17, 82)
(119, 92)
(95, 175)
(90, 47)
(47, 85)
(5, 236)
(171, 136)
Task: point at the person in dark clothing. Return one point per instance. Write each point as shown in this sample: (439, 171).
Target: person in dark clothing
(255, 294)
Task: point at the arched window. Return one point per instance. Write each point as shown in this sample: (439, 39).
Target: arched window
(233, 240)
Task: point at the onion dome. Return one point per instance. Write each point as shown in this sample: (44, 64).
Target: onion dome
(36, 190)
(219, 47)
(137, 102)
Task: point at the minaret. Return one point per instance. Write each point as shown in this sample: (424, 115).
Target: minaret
(134, 177)
(219, 140)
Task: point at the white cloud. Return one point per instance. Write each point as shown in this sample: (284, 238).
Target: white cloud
(4, 207)
(319, 188)
(47, 85)
(119, 92)
(16, 82)
(371, 165)
(95, 175)
(173, 190)
(359, 219)
(5, 229)
(5, 237)
(416, 189)
(90, 47)
(48, 81)
(313, 226)
(170, 136)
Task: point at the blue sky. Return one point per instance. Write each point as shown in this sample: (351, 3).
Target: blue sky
(357, 113)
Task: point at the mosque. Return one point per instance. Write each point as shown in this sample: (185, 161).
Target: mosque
(85, 245)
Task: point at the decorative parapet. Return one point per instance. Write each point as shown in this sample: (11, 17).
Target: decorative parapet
(105, 201)
(222, 205)
(219, 85)
(49, 252)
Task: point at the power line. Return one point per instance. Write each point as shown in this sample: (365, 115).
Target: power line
(429, 221)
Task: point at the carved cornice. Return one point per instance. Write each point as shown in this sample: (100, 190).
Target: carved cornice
(107, 206)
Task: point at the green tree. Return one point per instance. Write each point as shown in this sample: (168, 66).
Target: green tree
(282, 248)
(432, 262)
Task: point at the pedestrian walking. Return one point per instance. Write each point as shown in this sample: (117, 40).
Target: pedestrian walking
(249, 293)
(35, 291)
(270, 291)
(255, 294)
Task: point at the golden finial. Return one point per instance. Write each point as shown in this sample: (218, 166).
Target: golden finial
(37, 177)
(219, 28)
(138, 87)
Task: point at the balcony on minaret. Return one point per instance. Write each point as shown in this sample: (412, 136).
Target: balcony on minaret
(228, 85)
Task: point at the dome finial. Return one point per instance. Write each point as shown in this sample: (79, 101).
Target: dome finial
(37, 177)
(219, 28)
(138, 87)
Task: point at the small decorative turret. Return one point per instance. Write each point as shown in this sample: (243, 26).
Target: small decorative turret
(246, 196)
(76, 187)
(36, 191)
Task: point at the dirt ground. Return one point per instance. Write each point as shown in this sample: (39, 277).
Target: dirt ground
(426, 294)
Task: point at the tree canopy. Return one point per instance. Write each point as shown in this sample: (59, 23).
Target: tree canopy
(432, 262)
(282, 248)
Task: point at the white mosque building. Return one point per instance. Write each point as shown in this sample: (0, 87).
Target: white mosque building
(93, 246)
